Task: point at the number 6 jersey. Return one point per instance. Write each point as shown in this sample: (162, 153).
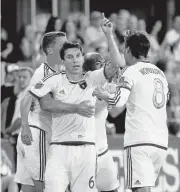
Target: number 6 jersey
(144, 89)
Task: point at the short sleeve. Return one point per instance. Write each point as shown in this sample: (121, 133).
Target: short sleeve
(128, 78)
(44, 86)
(35, 78)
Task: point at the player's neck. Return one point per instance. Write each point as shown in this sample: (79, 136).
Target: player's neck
(52, 61)
(74, 77)
(143, 59)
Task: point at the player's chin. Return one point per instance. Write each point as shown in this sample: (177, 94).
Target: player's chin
(77, 70)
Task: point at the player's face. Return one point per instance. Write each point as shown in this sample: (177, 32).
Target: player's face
(73, 60)
(99, 64)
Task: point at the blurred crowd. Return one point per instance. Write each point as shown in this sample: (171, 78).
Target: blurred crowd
(18, 60)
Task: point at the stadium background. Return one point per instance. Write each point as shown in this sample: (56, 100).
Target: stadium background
(15, 14)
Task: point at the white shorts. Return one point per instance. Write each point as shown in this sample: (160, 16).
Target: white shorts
(107, 175)
(31, 159)
(74, 165)
(142, 165)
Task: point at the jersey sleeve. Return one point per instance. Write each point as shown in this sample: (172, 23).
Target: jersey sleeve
(98, 77)
(35, 78)
(44, 86)
(124, 87)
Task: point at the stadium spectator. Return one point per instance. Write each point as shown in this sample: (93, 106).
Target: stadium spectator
(95, 37)
(69, 28)
(27, 43)
(6, 46)
(54, 24)
(9, 91)
(133, 22)
(12, 132)
(82, 25)
(141, 25)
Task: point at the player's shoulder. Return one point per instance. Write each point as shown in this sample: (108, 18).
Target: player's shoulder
(151, 68)
(129, 70)
(53, 76)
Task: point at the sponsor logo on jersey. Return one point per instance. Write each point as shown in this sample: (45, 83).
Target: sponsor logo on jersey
(39, 85)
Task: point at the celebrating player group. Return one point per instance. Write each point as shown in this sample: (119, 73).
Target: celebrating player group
(63, 144)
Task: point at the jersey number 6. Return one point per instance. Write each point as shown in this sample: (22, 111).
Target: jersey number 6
(91, 183)
(158, 95)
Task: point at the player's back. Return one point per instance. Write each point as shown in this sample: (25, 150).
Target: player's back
(146, 107)
(38, 117)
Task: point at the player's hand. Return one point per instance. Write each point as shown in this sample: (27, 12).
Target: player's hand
(106, 25)
(26, 135)
(101, 93)
(86, 109)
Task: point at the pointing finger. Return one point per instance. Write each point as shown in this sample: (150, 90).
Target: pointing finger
(103, 17)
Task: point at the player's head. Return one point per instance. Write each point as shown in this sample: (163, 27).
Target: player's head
(93, 61)
(52, 42)
(136, 48)
(72, 57)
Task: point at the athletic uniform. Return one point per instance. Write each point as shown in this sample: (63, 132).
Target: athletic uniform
(31, 160)
(72, 154)
(107, 176)
(144, 89)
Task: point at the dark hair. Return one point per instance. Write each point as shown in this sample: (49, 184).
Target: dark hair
(69, 45)
(138, 44)
(90, 60)
(51, 24)
(49, 38)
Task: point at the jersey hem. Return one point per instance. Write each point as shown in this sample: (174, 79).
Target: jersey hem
(72, 143)
(146, 144)
(34, 95)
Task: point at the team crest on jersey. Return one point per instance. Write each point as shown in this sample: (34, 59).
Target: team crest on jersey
(39, 85)
(83, 84)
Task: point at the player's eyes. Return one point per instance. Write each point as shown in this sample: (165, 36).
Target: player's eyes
(69, 57)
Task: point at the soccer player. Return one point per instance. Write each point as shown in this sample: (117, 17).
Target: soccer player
(33, 141)
(107, 176)
(143, 88)
(72, 154)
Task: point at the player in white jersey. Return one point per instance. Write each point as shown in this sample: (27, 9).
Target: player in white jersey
(72, 154)
(106, 176)
(144, 89)
(33, 141)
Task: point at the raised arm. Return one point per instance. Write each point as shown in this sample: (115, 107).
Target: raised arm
(116, 57)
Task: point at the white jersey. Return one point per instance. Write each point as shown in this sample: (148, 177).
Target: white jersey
(37, 117)
(101, 114)
(146, 105)
(71, 127)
